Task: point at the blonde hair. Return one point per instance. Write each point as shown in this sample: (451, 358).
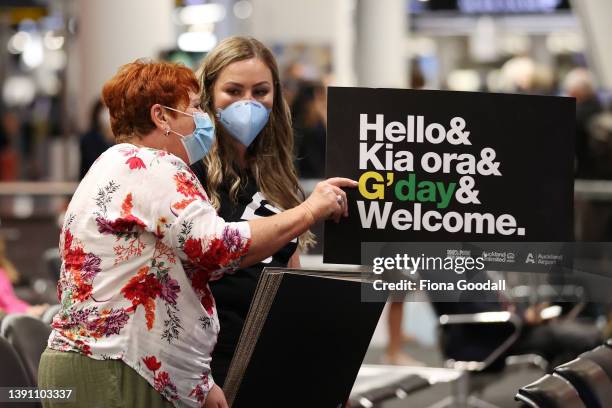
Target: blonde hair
(270, 156)
(7, 265)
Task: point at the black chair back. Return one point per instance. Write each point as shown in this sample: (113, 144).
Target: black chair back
(13, 373)
(52, 263)
(589, 380)
(28, 336)
(550, 391)
(602, 356)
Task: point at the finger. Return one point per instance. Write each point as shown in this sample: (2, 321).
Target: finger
(342, 182)
(344, 203)
(337, 214)
(338, 208)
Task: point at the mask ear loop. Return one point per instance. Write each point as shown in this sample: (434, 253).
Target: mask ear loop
(167, 132)
(176, 133)
(176, 110)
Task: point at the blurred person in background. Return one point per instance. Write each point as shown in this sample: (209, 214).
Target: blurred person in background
(4, 140)
(249, 172)
(523, 75)
(309, 112)
(10, 158)
(9, 302)
(293, 75)
(578, 83)
(139, 244)
(416, 77)
(98, 138)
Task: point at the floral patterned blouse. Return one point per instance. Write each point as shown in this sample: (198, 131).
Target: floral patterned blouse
(139, 244)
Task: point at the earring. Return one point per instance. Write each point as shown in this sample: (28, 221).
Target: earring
(167, 132)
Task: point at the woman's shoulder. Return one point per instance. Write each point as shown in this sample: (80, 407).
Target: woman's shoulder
(136, 159)
(132, 167)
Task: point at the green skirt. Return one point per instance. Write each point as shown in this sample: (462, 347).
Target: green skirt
(95, 383)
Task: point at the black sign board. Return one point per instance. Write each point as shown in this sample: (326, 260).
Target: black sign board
(449, 167)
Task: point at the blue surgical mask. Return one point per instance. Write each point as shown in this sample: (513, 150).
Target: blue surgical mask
(198, 143)
(244, 120)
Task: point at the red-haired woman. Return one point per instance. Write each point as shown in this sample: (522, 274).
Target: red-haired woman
(139, 244)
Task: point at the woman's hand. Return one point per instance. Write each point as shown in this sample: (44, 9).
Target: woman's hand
(328, 200)
(216, 398)
(269, 234)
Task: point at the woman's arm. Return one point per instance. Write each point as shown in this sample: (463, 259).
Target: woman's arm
(8, 300)
(269, 234)
(203, 238)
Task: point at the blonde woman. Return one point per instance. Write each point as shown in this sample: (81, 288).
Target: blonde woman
(249, 172)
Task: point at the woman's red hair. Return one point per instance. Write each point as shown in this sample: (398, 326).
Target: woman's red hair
(139, 85)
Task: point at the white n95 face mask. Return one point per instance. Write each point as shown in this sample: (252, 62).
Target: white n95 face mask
(244, 120)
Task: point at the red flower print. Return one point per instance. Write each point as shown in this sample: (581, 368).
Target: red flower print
(83, 292)
(163, 384)
(135, 163)
(216, 256)
(186, 186)
(199, 282)
(67, 240)
(120, 225)
(208, 301)
(84, 347)
(149, 305)
(126, 206)
(198, 276)
(142, 289)
(203, 263)
(183, 204)
(126, 224)
(193, 249)
(198, 391)
(164, 251)
(74, 258)
(151, 363)
(161, 380)
(159, 228)
(82, 267)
